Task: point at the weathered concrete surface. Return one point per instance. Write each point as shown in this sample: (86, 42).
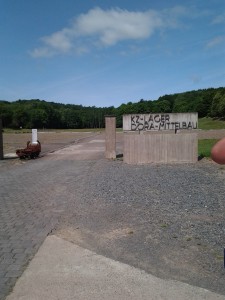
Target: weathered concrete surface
(160, 121)
(160, 147)
(110, 137)
(62, 270)
(92, 148)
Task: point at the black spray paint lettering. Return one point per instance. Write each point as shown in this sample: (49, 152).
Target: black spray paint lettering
(159, 122)
(137, 123)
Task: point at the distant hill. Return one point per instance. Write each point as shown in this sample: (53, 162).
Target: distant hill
(37, 113)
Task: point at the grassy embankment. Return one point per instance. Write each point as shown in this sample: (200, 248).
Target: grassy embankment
(209, 123)
(205, 146)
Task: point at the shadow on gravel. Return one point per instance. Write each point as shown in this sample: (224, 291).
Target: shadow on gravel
(200, 157)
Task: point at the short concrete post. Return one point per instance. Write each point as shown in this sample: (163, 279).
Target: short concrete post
(110, 137)
(1, 141)
(34, 136)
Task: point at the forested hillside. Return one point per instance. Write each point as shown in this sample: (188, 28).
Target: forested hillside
(37, 113)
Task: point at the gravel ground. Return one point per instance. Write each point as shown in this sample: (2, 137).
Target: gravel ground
(165, 219)
(211, 134)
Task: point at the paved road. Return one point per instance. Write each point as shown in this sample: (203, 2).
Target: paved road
(32, 197)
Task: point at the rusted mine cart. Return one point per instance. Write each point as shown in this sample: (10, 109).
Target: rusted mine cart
(31, 151)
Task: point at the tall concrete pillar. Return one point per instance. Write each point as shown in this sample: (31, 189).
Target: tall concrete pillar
(110, 137)
(1, 141)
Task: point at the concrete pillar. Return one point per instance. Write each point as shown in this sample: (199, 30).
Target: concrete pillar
(1, 141)
(34, 136)
(110, 137)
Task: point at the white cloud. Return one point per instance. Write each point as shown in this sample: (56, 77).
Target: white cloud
(60, 41)
(117, 25)
(219, 19)
(171, 16)
(41, 52)
(216, 41)
(106, 28)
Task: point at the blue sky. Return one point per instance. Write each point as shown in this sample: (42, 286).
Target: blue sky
(105, 53)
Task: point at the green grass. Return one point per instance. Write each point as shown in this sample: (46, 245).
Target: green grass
(205, 146)
(209, 123)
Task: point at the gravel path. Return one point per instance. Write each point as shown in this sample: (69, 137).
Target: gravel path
(211, 134)
(165, 219)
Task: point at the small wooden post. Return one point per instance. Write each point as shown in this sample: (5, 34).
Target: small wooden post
(110, 137)
(1, 141)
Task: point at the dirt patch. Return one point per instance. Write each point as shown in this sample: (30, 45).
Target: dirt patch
(211, 134)
(50, 141)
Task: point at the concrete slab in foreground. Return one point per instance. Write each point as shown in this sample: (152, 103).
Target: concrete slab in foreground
(62, 270)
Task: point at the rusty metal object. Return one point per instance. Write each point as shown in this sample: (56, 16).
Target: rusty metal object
(31, 151)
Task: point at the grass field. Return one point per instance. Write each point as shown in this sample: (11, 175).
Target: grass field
(209, 123)
(205, 146)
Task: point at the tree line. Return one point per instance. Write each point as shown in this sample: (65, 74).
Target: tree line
(37, 113)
